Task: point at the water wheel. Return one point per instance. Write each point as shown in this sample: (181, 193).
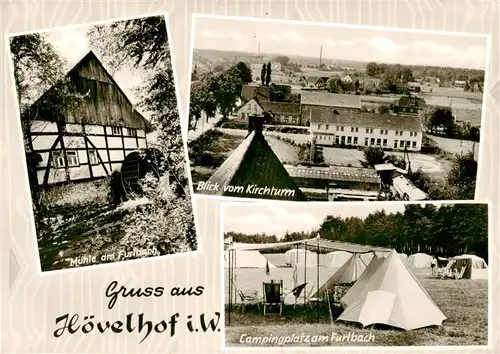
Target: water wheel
(137, 165)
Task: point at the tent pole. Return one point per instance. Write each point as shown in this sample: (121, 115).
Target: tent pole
(317, 281)
(230, 290)
(305, 271)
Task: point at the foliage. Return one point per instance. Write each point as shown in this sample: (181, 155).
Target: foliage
(282, 59)
(268, 74)
(37, 66)
(203, 143)
(460, 182)
(334, 85)
(445, 230)
(167, 221)
(263, 74)
(217, 91)
(440, 119)
(309, 154)
(141, 43)
(372, 69)
(373, 156)
(463, 175)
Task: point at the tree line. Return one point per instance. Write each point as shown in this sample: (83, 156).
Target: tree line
(217, 92)
(393, 73)
(447, 230)
(440, 121)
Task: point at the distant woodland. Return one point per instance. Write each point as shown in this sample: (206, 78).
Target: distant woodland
(446, 231)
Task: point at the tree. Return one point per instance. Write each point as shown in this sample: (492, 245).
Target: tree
(143, 44)
(263, 74)
(406, 75)
(373, 156)
(372, 69)
(356, 84)
(440, 118)
(268, 74)
(37, 67)
(334, 85)
(463, 175)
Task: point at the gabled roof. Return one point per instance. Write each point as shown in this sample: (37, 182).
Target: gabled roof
(330, 99)
(254, 163)
(365, 120)
(280, 107)
(81, 75)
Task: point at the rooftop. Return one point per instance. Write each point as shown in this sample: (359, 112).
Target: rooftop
(255, 91)
(330, 99)
(365, 120)
(280, 107)
(404, 187)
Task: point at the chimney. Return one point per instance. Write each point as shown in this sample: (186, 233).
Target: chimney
(255, 123)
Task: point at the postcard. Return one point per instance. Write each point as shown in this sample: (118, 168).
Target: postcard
(357, 274)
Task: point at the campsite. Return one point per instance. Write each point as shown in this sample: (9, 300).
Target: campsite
(321, 287)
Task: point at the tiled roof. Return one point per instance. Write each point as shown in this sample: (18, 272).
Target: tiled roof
(330, 99)
(281, 107)
(335, 173)
(365, 120)
(254, 163)
(252, 91)
(406, 101)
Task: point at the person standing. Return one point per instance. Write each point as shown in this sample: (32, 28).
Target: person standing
(434, 266)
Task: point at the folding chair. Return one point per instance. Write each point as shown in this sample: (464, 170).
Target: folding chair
(248, 299)
(273, 295)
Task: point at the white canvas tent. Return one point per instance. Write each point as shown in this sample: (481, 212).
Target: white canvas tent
(390, 294)
(471, 266)
(348, 273)
(404, 257)
(300, 256)
(337, 258)
(247, 259)
(420, 260)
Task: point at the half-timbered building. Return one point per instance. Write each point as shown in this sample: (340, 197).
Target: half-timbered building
(88, 139)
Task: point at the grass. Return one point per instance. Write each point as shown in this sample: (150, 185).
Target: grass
(464, 303)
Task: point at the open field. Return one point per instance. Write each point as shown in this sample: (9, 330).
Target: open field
(455, 146)
(428, 163)
(464, 303)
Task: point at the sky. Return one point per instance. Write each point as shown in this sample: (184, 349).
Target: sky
(341, 43)
(72, 44)
(278, 218)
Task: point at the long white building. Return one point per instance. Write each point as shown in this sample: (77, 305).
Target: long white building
(87, 141)
(350, 128)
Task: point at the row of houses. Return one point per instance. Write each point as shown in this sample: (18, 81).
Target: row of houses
(339, 119)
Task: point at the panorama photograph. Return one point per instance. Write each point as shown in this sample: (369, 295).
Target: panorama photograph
(312, 112)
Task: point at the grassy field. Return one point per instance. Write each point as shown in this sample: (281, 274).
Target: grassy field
(464, 303)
